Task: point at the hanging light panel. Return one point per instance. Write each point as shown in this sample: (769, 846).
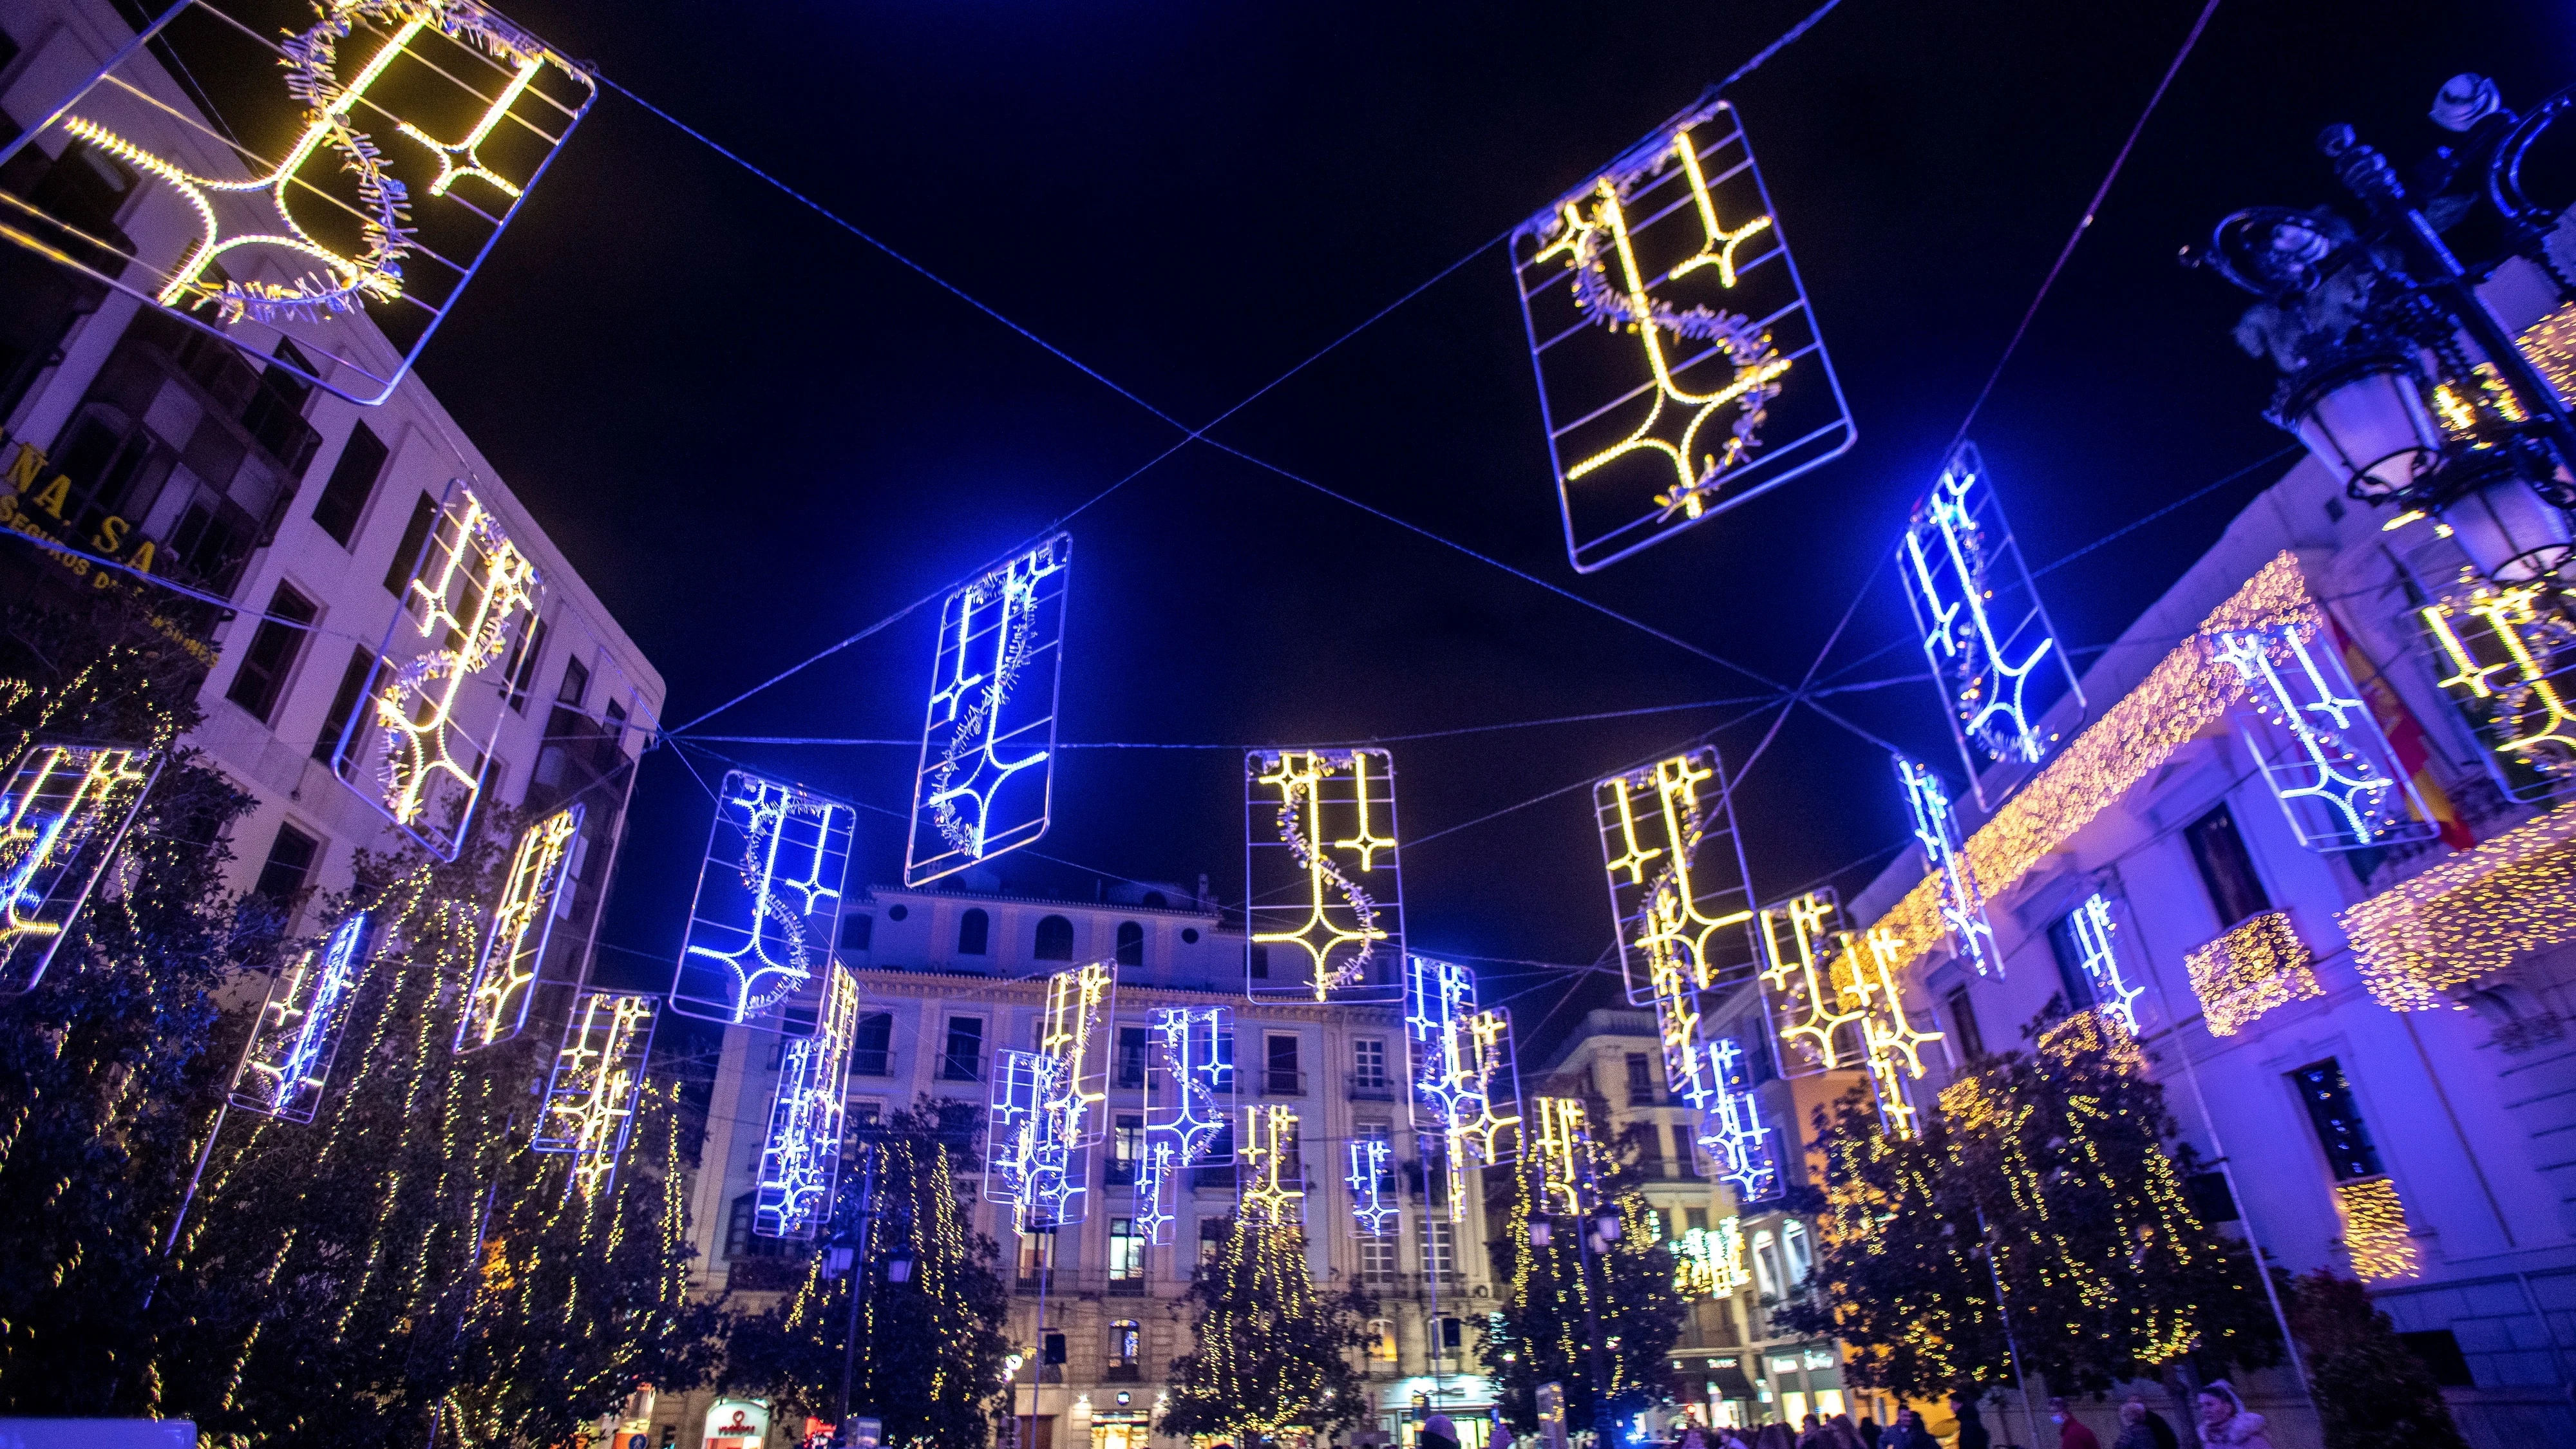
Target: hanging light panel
(987, 772)
(768, 908)
(1466, 1085)
(505, 975)
(1679, 367)
(1043, 1104)
(1563, 1168)
(64, 811)
(1677, 875)
(2318, 744)
(1189, 1101)
(1373, 1207)
(419, 749)
(2113, 993)
(801, 1158)
(591, 1093)
(288, 1059)
(1819, 1028)
(1994, 655)
(2511, 657)
(1325, 912)
(364, 164)
(1271, 1180)
(1963, 905)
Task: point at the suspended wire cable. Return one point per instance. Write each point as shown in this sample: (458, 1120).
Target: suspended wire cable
(2193, 497)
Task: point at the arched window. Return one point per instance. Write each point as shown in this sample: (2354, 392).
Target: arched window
(1131, 944)
(1381, 1340)
(1155, 901)
(1055, 939)
(972, 928)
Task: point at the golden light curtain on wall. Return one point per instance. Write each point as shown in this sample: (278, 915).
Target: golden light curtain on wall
(2258, 965)
(2185, 693)
(2469, 917)
(2374, 1229)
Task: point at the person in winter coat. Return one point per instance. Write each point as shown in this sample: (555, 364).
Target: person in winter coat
(2071, 1432)
(1868, 1431)
(1972, 1430)
(2225, 1421)
(1439, 1433)
(2157, 1428)
(2134, 1433)
(1845, 1436)
(1775, 1435)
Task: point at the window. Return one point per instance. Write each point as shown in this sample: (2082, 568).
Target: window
(1377, 1259)
(872, 1048)
(1126, 1148)
(897, 911)
(1793, 1240)
(2068, 949)
(1126, 1252)
(1766, 1263)
(972, 929)
(1641, 1080)
(1131, 1056)
(1211, 1236)
(1260, 962)
(741, 1241)
(2211, 1201)
(1695, 1218)
(1650, 1150)
(1685, 1150)
(1439, 1248)
(1189, 935)
(2225, 868)
(407, 553)
(856, 931)
(1037, 1255)
(2439, 1348)
(964, 1059)
(1131, 944)
(261, 679)
(1381, 1339)
(1369, 1055)
(1963, 1024)
(2337, 1118)
(344, 498)
(1453, 1335)
(1279, 1061)
(1126, 1340)
(521, 668)
(344, 702)
(576, 684)
(614, 717)
(1054, 939)
(289, 864)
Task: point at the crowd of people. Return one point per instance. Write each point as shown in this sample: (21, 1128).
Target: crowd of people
(2225, 1423)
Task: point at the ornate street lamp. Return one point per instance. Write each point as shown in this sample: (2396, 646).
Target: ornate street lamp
(2399, 377)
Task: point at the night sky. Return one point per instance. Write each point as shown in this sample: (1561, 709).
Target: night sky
(753, 434)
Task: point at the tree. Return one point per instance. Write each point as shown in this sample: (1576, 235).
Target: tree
(1271, 1352)
(1542, 1333)
(2372, 1391)
(2044, 1175)
(931, 1348)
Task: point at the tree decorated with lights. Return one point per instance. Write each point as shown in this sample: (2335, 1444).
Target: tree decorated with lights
(2371, 1389)
(1542, 1332)
(1272, 1352)
(2044, 1176)
(930, 1348)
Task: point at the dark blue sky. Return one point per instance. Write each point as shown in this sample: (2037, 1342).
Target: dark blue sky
(754, 435)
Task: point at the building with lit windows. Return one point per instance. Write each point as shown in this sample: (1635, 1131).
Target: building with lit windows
(2372, 1042)
(126, 434)
(950, 977)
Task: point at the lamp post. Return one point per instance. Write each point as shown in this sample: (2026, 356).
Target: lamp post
(1597, 1234)
(2400, 378)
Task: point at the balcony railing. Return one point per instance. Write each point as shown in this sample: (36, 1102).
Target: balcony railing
(1122, 1373)
(864, 1063)
(961, 1066)
(1130, 1286)
(1372, 1087)
(1118, 1172)
(1280, 1082)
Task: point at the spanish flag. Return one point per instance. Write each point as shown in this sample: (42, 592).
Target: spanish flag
(2405, 739)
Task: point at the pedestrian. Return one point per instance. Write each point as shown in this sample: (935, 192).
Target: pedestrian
(1918, 1435)
(2134, 1433)
(2161, 1431)
(1439, 1433)
(1501, 1437)
(1691, 1438)
(1775, 1435)
(1972, 1429)
(2224, 1419)
(1867, 1428)
(1812, 1434)
(1845, 1435)
(2071, 1433)
(1894, 1436)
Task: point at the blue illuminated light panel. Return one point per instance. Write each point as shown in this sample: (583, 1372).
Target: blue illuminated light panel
(514, 951)
(987, 773)
(1326, 882)
(1373, 1209)
(385, 204)
(801, 1157)
(768, 908)
(1963, 902)
(1995, 657)
(2319, 746)
(2113, 994)
(1466, 1085)
(64, 811)
(288, 1060)
(1189, 1100)
(1045, 1104)
(1680, 370)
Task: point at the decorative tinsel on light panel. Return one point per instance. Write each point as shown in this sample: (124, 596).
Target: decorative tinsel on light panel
(2258, 965)
(2511, 654)
(506, 973)
(288, 1060)
(2469, 918)
(2317, 743)
(1466, 1082)
(1993, 652)
(768, 910)
(1679, 368)
(800, 1159)
(364, 164)
(986, 780)
(1189, 1101)
(63, 812)
(1324, 909)
(419, 750)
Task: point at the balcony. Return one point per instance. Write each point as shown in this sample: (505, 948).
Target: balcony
(1034, 1283)
(1643, 1094)
(765, 1275)
(1130, 1285)
(1282, 1082)
(1122, 1373)
(864, 1063)
(1372, 1087)
(961, 1066)
(1118, 1172)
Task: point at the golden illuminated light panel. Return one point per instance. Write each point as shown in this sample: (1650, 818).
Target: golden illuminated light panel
(1562, 1166)
(505, 977)
(1838, 1001)
(1679, 368)
(2512, 655)
(1041, 1104)
(1272, 1179)
(1711, 1260)
(1889, 1038)
(352, 198)
(1325, 882)
(65, 810)
(426, 737)
(591, 1094)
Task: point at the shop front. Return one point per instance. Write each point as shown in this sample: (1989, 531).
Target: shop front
(1404, 1405)
(1805, 1379)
